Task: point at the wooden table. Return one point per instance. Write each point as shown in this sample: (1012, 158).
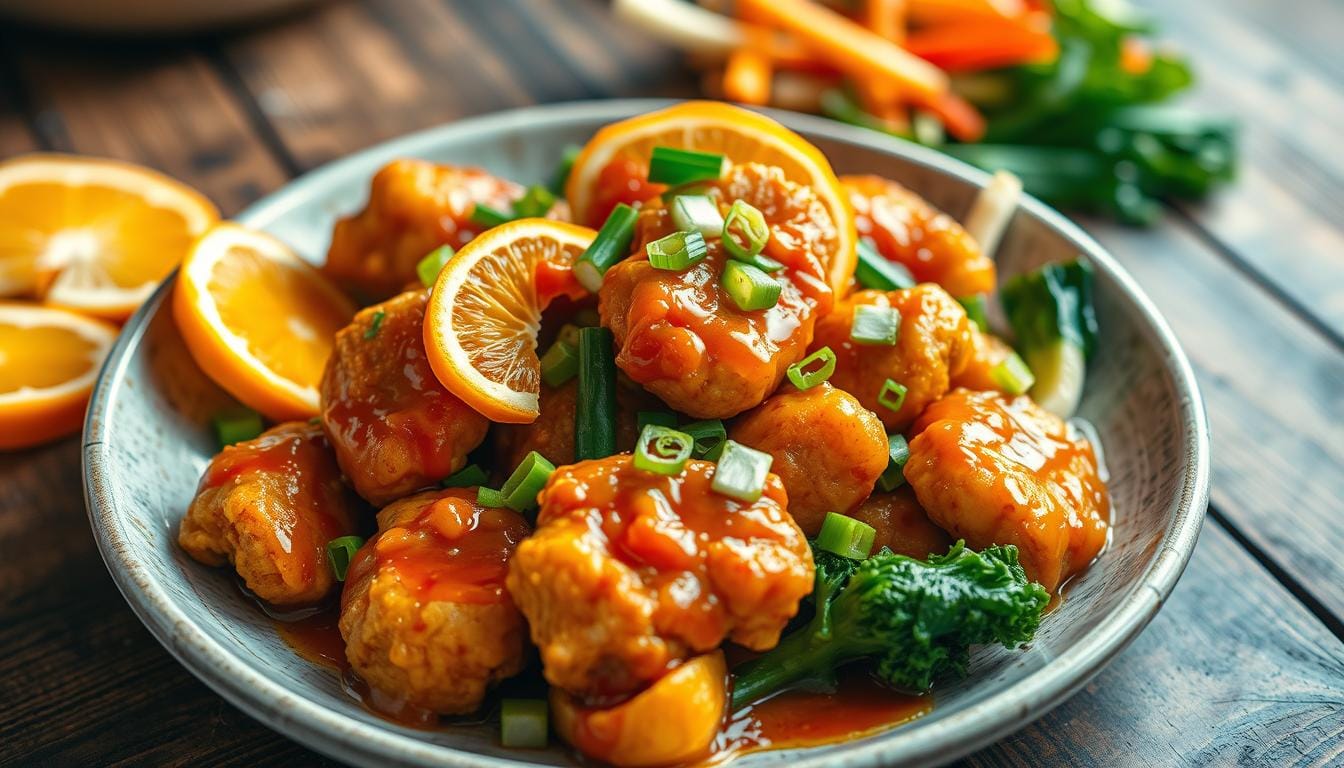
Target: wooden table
(1245, 664)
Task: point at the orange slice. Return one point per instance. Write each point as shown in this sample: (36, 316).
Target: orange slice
(48, 361)
(258, 319)
(485, 309)
(93, 235)
(742, 136)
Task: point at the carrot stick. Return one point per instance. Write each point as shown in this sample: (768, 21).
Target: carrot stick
(885, 18)
(955, 11)
(976, 45)
(746, 77)
(959, 117)
(852, 49)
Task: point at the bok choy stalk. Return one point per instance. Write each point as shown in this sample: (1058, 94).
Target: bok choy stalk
(1051, 313)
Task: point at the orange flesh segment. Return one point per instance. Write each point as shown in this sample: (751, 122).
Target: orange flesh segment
(42, 357)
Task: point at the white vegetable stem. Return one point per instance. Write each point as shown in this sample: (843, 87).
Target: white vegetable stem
(992, 211)
(683, 25)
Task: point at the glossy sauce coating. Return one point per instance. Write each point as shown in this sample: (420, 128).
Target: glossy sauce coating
(995, 470)
(552, 434)
(269, 506)
(631, 572)
(904, 228)
(393, 425)
(625, 179)
(987, 351)
(902, 525)
(681, 336)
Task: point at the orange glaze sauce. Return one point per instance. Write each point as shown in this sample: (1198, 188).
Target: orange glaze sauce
(624, 179)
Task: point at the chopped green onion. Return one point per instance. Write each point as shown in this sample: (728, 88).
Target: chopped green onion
(748, 287)
(375, 326)
(536, 201)
(561, 175)
(846, 537)
(595, 411)
(876, 272)
(694, 188)
(663, 451)
(523, 723)
(484, 216)
(428, 268)
(489, 497)
(892, 395)
(874, 325)
(803, 379)
(683, 166)
(659, 418)
(469, 476)
(340, 552)
(559, 364)
(569, 333)
(709, 435)
(1012, 375)
(740, 472)
(975, 310)
(696, 213)
(237, 425)
(677, 251)
(521, 489)
(745, 232)
(610, 246)
(898, 453)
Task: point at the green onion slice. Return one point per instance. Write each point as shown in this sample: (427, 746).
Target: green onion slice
(489, 497)
(485, 216)
(521, 489)
(595, 411)
(749, 287)
(874, 325)
(874, 271)
(428, 268)
(469, 476)
(340, 552)
(569, 333)
(812, 370)
(375, 326)
(745, 232)
(536, 201)
(237, 425)
(709, 435)
(898, 453)
(523, 723)
(660, 418)
(560, 363)
(740, 472)
(846, 537)
(561, 175)
(662, 450)
(683, 166)
(1012, 375)
(610, 246)
(976, 309)
(892, 395)
(677, 251)
(696, 213)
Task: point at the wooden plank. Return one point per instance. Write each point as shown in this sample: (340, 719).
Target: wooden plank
(1281, 219)
(1232, 671)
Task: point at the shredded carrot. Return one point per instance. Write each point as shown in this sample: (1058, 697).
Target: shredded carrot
(957, 11)
(886, 18)
(961, 119)
(746, 77)
(881, 99)
(1135, 56)
(976, 45)
(849, 47)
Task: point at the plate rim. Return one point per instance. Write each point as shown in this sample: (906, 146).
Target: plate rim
(346, 738)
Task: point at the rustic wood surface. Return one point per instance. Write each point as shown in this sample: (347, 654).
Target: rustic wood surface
(1244, 665)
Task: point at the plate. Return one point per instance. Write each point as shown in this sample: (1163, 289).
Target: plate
(147, 441)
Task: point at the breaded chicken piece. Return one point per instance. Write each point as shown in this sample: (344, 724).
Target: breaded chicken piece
(829, 450)
(630, 572)
(552, 434)
(994, 470)
(426, 620)
(902, 525)
(931, 347)
(987, 351)
(904, 228)
(269, 506)
(414, 207)
(393, 425)
(680, 335)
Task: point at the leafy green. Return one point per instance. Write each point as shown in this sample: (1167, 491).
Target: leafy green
(1051, 303)
(913, 621)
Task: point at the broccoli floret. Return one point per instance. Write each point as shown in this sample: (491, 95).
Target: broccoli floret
(914, 621)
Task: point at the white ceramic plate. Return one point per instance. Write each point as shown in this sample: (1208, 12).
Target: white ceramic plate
(147, 441)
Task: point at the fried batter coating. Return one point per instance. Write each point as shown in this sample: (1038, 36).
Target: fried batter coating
(994, 470)
(904, 228)
(269, 506)
(630, 572)
(414, 207)
(987, 351)
(932, 347)
(426, 620)
(829, 450)
(552, 434)
(902, 525)
(393, 425)
(680, 335)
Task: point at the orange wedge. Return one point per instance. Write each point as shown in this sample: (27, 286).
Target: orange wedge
(710, 126)
(485, 309)
(48, 361)
(93, 235)
(258, 319)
